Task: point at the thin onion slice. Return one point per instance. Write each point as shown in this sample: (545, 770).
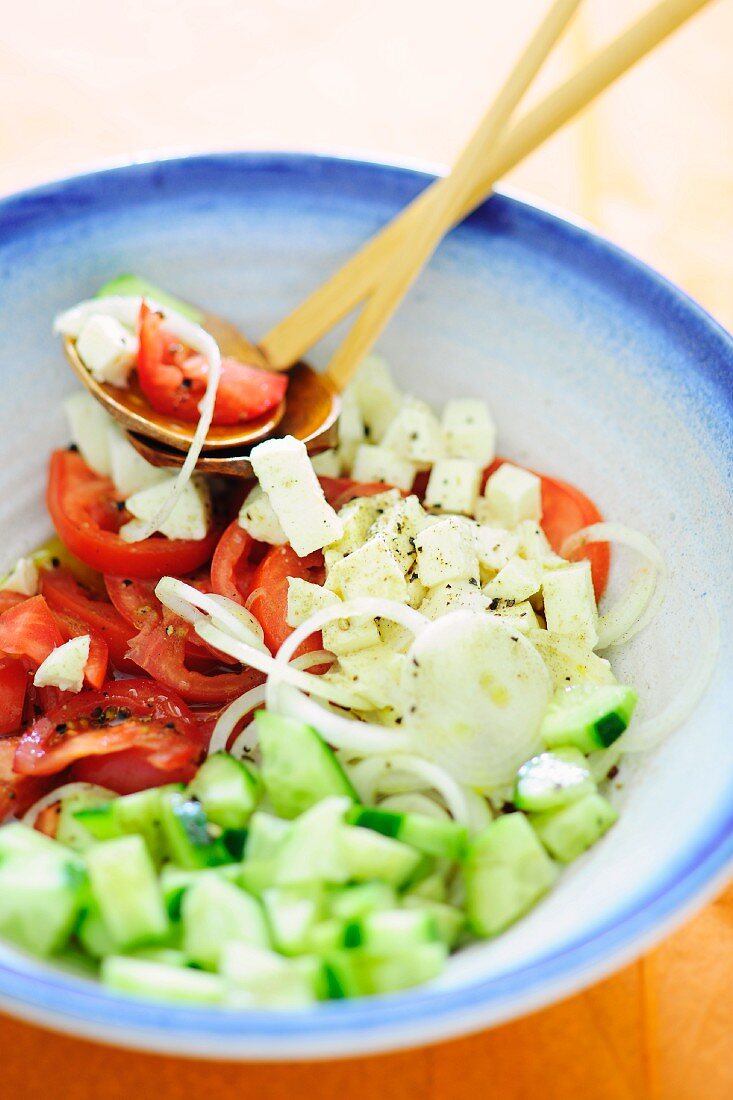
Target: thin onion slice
(126, 311)
(434, 777)
(480, 815)
(359, 738)
(644, 596)
(67, 790)
(413, 802)
(230, 718)
(192, 605)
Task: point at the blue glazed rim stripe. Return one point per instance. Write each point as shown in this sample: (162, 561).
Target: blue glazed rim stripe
(681, 881)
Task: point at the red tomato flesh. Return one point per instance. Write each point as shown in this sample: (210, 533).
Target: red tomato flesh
(13, 687)
(63, 593)
(29, 630)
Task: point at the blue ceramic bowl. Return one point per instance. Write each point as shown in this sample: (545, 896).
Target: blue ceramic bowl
(597, 370)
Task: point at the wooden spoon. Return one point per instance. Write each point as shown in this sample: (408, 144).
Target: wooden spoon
(310, 402)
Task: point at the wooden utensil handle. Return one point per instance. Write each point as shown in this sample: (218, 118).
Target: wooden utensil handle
(292, 337)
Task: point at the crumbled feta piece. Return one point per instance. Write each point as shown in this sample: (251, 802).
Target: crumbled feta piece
(518, 580)
(512, 495)
(344, 636)
(400, 524)
(190, 518)
(376, 463)
(570, 602)
(304, 599)
(494, 546)
(453, 596)
(394, 635)
(258, 518)
(453, 486)
(415, 433)
(285, 472)
(446, 552)
(88, 423)
(570, 662)
(469, 431)
(415, 588)
(377, 672)
(128, 469)
(358, 516)
(107, 349)
(519, 615)
(22, 578)
(534, 545)
(64, 666)
(372, 570)
(377, 396)
(327, 463)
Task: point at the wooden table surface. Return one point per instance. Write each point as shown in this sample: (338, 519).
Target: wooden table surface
(88, 83)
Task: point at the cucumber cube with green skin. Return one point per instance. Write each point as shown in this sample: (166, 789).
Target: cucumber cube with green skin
(265, 835)
(313, 849)
(434, 837)
(227, 790)
(299, 769)
(553, 779)
(391, 931)
(93, 934)
(214, 913)
(188, 839)
(370, 856)
(257, 875)
(431, 888)
(41, 897)
(506, 871)
(138, 813)
(260, 977)
(351, 902)
(588, 716)
(292, 913)
(132, 286)
(69, 830)
(126, 889)
(19, 840)
(161, 982)
(169, 956)
(98, 821)
(354, 973)
(568, 832)
(174, 881)
(325, 936)
(450, 921)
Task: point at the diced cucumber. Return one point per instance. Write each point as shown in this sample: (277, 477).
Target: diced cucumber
(314, 848)
(351, 902)
(19, 840)
(214, 912)
(227, 790)
(98, 821)
(553, 779)
(298, 767)
(391, 931)
(568, 832)
(588, 716)
(235, 842)
(449, 920)
(169, 956)
(188, 839)
(431, 888)
(265, 836)
(292, 913)
(94, 935)
(174, 881)
(258, 875)
(370, 855)
(357, 972)
(41, 896)
(260, 977)
(325, 937)
(444, 839)
(126, 889)
(506, 871)
(69, 830)
(138, 813)
(132, 286)
(160, 982)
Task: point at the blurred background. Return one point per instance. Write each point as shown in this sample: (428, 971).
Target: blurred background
(87, 83)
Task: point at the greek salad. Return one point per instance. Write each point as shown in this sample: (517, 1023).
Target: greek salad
(299, 738)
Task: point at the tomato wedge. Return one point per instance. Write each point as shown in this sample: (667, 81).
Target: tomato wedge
(85, 511)
(125, 717)
(233, 564)
(64, 593)
(269, 599)
(29, 630)
(174, 379)
(95, 670)
(13, 687)
(161, 650)
(17, 792)
(10, 599)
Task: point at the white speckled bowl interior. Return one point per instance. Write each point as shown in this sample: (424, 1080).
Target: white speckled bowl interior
(597, 371)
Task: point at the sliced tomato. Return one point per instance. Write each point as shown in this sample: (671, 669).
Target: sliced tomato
(10, 599)
(234, 563)
(142, 722)
(85, 510)
(17, 792)
(29, 630)
(161, 650)
(340, 490)
(95, 670)
(174, 379)
(64, 593)
(13, 687)
(268, 601)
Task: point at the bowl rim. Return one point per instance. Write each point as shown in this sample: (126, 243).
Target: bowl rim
(427, 1014)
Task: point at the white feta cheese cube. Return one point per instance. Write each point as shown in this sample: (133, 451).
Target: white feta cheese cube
(400, 524)
(377, 672)
(372, 570)
(452, 596)
(327, 463)
(415, 433)
(107, 349)
(534, 545)
(358, 516)
(570, 662)
(446, 552)
(344, 636)
(570, 602)
(191, 516)
(128, 469)
(304, 599)
(258, 518)
(518, 580)
(64, 666)
(453, 486)
(520, 615)
(285, 472)
(22, 578)
(512, 495)
(469, 431)
(415, 588)
(395, 636)
(377, 396)
(376, 463)
(495, 546)
(88, 424)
